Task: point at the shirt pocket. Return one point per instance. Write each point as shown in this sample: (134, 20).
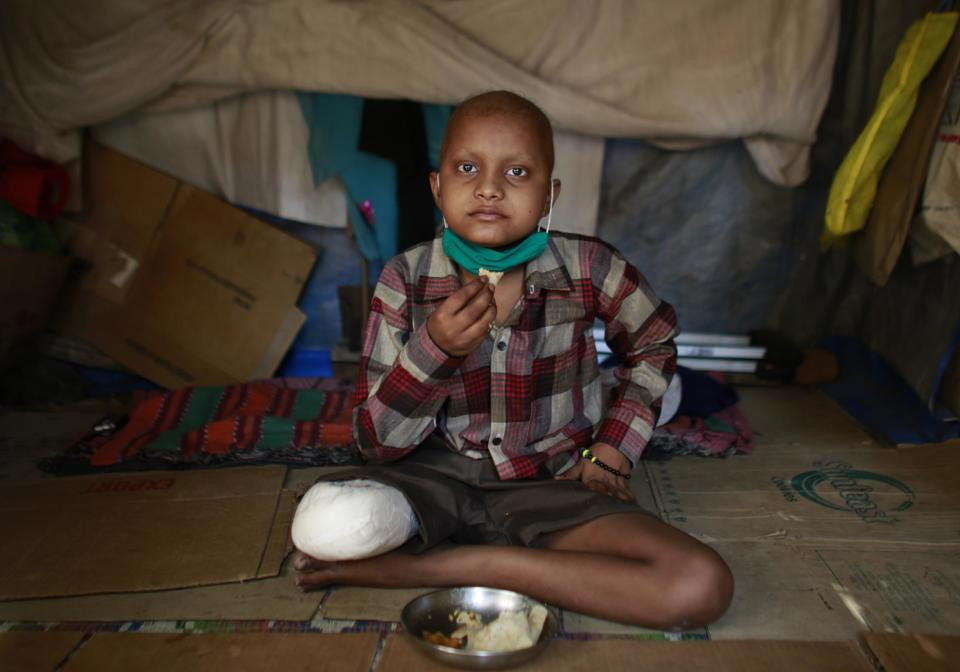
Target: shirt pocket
(562, 325)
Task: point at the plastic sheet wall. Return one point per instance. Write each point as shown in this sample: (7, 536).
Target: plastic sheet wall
(712, 236)
(733, 252)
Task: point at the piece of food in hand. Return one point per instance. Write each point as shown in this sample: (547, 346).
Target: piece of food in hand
(492, 276)
(443, 640)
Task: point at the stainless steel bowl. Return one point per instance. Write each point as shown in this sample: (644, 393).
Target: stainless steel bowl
(431, 613)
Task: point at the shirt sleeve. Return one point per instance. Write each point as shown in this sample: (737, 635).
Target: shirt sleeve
(402, 382)
(640, 328)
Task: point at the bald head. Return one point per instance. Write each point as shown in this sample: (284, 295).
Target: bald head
(507, 104)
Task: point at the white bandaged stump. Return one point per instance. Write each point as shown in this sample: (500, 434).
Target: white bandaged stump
(351, 520)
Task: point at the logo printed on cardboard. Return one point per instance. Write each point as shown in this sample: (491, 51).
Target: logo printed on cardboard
(131, 485)
(839, 486)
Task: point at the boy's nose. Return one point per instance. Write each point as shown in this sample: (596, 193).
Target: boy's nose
(489, 188)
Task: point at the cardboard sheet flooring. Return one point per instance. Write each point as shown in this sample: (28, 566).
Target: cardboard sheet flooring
(141, 531)
(400, 655)
(225, 653)
(360, 652)
(846, 555)
(36, 651)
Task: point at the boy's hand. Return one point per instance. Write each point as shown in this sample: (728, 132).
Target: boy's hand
(462, 321)
(601, 480)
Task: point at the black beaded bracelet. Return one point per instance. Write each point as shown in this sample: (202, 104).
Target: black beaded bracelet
(588, 455)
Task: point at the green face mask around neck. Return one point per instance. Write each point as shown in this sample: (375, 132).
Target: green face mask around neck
(473, 257)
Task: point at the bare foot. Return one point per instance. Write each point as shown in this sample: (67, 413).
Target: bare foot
(303, 562)
(394, 569)
(312, 573)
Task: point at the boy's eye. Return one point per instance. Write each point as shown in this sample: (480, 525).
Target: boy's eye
(467, 167)
(516, 171)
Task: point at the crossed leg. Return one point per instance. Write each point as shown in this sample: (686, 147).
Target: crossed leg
(627, 567)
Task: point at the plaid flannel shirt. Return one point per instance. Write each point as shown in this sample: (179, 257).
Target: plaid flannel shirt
(530, 395)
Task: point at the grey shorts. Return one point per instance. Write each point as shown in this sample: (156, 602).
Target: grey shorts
(463, 500)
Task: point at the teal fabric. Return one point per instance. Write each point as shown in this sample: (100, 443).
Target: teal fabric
(473, 257)
(334, 124)
(436, 117)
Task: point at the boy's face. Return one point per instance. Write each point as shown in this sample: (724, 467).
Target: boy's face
(494, 179)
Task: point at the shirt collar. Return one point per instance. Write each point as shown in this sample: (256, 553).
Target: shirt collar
(545, 272)
(548, 271)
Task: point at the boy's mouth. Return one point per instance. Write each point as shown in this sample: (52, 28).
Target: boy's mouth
(487, 214)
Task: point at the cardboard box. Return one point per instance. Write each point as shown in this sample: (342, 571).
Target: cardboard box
(178, 285)
(142, 531)
(29, 285)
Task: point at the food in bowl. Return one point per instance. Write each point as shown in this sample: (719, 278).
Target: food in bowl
(444, 640)
(509, 631)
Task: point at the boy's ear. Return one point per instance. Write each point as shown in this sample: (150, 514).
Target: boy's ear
(435, 189)
(556, 195)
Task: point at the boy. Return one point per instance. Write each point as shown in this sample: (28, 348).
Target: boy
(483, 395)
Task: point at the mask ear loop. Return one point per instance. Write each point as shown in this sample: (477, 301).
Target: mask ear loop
(549, 212)
(445, 225)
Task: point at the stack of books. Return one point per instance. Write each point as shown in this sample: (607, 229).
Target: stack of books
(707, 352)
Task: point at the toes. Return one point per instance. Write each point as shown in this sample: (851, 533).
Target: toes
(311, 573)
(307, 581)
(302, 561)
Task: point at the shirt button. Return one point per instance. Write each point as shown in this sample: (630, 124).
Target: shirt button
(497, 441)
(502, 345)
(531, 289)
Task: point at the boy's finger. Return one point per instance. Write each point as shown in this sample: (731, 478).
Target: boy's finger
(465, 294)
(479, 312)
(573, 473)
(620, 489)
(474, 309)
(598, 486)
(478, 329)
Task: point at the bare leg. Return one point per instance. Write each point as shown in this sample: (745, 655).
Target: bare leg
(627, 567)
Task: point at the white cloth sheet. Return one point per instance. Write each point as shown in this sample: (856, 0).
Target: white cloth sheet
(250, 149)
(676, 73)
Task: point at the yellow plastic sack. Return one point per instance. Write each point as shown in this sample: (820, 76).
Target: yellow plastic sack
(855, 184)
